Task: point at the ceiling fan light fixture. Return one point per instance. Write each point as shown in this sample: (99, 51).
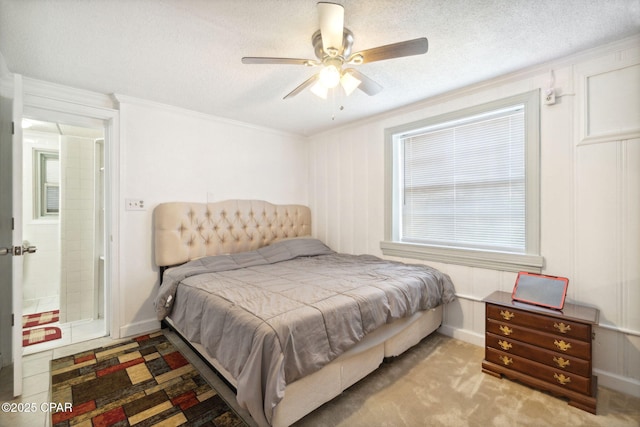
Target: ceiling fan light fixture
(319, 90)
(332, 46)
(349, 83)
(330, 76)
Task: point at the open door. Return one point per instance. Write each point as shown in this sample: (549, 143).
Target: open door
(6, 229)
(11, 248)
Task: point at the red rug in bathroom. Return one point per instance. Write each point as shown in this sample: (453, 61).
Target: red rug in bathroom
(39, 335)
(37, 319)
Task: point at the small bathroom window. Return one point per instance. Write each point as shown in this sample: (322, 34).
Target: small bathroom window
(47, 179)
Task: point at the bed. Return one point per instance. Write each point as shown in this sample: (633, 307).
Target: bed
(282, 317)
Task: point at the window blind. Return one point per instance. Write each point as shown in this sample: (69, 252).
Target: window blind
(464, 183)
(50, 184)
(52, 198)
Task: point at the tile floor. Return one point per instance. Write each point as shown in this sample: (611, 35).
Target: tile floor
(76, 336)
(74, 332)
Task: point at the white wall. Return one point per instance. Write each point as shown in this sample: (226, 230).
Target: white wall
(590, 196)
(169, 154)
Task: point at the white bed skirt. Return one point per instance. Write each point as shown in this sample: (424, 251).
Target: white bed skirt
(308, 393)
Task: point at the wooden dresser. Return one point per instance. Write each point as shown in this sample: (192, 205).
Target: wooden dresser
(547, 349)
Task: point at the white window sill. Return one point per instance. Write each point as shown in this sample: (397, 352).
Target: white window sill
(473, 258)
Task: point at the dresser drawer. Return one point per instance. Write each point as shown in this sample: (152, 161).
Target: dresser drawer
(554, 359)
(563, 345)
(548, 374)
(543, 348)
(547, 324)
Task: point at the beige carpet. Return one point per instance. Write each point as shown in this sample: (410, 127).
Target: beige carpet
(440, 382)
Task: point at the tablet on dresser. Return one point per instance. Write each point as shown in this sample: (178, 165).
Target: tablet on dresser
(539, 289)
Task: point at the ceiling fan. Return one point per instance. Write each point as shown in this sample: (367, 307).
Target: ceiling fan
(332, 44)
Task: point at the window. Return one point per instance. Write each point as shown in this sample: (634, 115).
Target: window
(47, 195)
(463, 187)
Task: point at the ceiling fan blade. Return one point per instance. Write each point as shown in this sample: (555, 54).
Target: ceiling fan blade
(367, 85)
(267, 60)
(311, 80)
(396, 50)
(331, 18)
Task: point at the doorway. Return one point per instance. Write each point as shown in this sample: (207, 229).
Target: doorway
(63, 210)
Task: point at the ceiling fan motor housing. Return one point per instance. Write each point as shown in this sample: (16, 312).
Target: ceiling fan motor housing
(344, 52)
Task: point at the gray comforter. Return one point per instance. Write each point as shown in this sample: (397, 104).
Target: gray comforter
(274, 315)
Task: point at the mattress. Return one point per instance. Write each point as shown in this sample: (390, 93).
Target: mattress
(309, 393)
(278, 316)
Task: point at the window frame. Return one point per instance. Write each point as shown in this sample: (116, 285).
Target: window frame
(40, 204)
(531, 260)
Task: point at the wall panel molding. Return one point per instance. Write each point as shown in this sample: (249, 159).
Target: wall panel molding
(608, 100)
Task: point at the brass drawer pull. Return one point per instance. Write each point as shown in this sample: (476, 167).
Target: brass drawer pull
(564, 346)
(562, 379)
(505, 345)
(506, 360)
(561, 362)
(506, 315)
(562, 328)
(506, 330)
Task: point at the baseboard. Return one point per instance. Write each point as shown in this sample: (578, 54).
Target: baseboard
(139, 328)
(462, 335)
(619, 383)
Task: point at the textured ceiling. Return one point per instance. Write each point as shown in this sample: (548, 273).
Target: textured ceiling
(187, 52)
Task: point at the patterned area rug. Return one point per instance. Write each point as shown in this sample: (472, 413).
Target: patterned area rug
(39, 335)
(39, 319)
(144, 382)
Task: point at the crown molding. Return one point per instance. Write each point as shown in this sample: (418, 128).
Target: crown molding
(34, 88)
(126, 99)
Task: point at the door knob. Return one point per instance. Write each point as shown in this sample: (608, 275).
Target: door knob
(18, 250)
(29, 249)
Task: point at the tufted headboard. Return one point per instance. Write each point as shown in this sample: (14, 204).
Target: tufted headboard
(186, 231)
